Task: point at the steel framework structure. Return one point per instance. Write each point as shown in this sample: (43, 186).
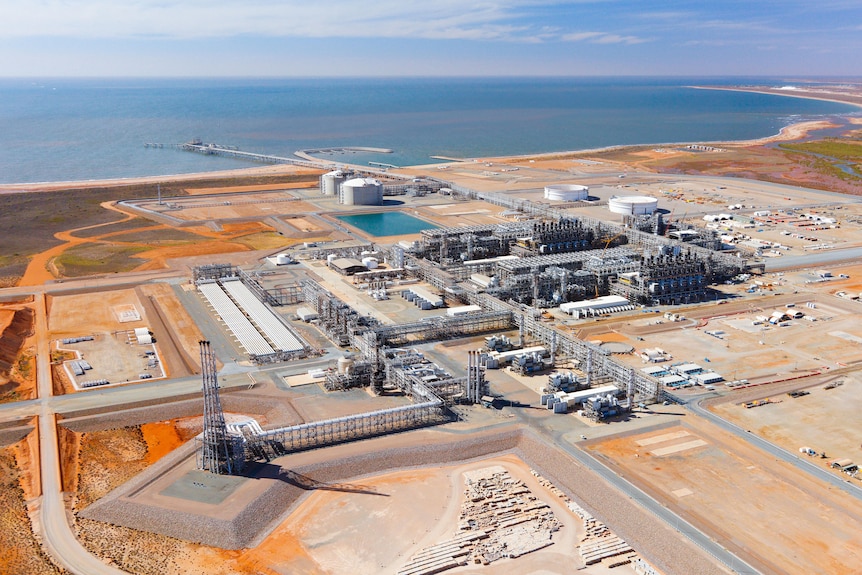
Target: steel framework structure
(275, 297)
(353, 427)
(441, 328)
(218, 451)
(718, 264)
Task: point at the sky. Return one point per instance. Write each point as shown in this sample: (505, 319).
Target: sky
(286, 38)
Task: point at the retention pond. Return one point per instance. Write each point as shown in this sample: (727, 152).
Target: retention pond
(387, 223)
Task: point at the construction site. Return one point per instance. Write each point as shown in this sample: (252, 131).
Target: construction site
(305, 390)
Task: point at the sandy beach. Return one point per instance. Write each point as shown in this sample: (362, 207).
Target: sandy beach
(787, 133)
(852, 96)
(274, 170)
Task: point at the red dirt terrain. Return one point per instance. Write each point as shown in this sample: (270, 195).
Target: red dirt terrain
(19, 549)
(17, 369)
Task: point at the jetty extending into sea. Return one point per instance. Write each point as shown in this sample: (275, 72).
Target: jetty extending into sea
(305, 157)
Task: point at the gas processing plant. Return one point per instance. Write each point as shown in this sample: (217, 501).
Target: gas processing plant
(501, 275)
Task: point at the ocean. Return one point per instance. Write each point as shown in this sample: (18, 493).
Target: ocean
(84, 129)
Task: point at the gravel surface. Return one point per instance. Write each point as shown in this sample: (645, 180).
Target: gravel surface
(268, 412)
(654, 540)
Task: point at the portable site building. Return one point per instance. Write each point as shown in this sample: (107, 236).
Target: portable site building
(706, 378)
(672, 380)
(687, 369)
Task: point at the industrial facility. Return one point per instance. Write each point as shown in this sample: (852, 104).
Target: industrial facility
(521, 320)
(489, 278)
(360, 192)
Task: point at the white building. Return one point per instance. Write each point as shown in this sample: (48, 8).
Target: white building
(604, 304)
(463, 310)
(143, 336)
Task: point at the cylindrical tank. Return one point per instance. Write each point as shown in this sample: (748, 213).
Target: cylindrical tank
(632, 205)
(370, 263)
(330, 181)
(345, 365)
(566, 192)
(282, 259)
(361, 192)
(330, 258)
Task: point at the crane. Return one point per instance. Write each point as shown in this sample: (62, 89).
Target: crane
(607, 243)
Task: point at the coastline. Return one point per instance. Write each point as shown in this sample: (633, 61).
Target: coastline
(790, 132)
(36, 187)
(851, 100)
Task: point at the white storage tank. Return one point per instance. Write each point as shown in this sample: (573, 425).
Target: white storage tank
(282, 259)
(330, 181)
(331, 258)
(361, 192)
(633, 205)
(345, 365)
(370, 263)
(566, 192)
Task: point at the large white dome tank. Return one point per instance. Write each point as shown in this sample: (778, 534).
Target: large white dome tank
(566, 192)
(361, 192)
(633, 205)
(330, 181)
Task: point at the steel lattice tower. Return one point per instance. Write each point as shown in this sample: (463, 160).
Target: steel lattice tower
(218, 452)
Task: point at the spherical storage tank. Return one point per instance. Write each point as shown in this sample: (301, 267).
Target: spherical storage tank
(566, 192)
(361, 192)
(632, 205)
(330, 181)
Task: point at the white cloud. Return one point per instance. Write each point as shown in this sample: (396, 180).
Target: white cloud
(617, 39)
(580, 36)
(528, 21)
(278, 18)
(602, 38)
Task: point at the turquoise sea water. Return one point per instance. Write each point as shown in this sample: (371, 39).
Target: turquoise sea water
(387, 223)
(67, 129)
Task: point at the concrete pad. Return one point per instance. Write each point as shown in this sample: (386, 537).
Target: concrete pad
(301, 379)
(679, 447)
(203, 487)
(663, 437)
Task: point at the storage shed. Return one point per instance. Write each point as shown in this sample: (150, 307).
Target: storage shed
(347, 266)
(143, 336)
(306, 314)
(845, 465)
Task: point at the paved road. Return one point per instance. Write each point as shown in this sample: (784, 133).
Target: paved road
(813, 259)
(778, 452)
(57, 534)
